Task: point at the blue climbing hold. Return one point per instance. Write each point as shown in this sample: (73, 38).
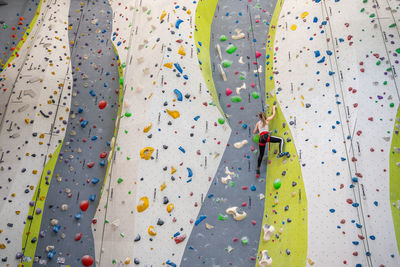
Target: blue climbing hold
(200, 219)
(178, 94)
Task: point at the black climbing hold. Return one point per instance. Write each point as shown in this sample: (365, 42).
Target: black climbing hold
(187, 96)
(283, 173)
(288, 139)
(172, 178)
(160, 222)
(165, 103)
(170, 123)
(286, 207)
(284, 125)
(10, 225)
(294, 183)
(30, 217)
(289, 220)
(165, 146)
(137, 238)
(287, 251)
(33, 240)
(150, 136)
(165, 200)
(165, 168)
(136, 261)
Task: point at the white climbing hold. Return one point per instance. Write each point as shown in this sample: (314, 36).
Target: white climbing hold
(219, 51)
(236, 214)
(240, 144)
(241, 60)
(226, 179)
(266, 260)
(64, 207)
(243, 87)
(116, 223)
(239, 35)
(53, 222)
(223, 75)
(228, 172)
(268, 232)
(209, 226)
(262, 196)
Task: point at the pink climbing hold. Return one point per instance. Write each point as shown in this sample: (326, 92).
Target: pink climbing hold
(102, 104)
(258, 54)
(84, 205)
(87, 260)
(253, 85)
(228, 91)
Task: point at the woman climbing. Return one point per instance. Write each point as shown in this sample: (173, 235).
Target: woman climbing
(262, 128)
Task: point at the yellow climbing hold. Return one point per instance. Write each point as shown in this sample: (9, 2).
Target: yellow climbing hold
(163, 186)
(151, 230)
(127, 261)
(170, 207)
(173, 113)
(181, 51)
(305, 14)
(27, 121)
(2, 246)
(146, 152)
(293, 27)
(189, 12)
(143, 204)
(163, 14)
(147, 128)
(169, 65)
(173, 170)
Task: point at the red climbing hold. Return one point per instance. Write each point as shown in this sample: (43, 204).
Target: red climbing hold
(180, 238)
(103, 154)
(87, 260)
(90, 164)
(84, 205)
(102, 104)
(78, 237)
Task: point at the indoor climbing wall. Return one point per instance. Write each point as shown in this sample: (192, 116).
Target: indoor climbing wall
(36, 100)
(126, 133)
(342, 99)
(235, 201)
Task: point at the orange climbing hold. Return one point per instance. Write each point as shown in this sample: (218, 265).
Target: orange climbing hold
(173, 170)
(170, 207)
(163, 14)
(151, 230)
(147, 128)
(173, 113)
(143, 204)
(181, 51)
(146, 152)
(169, 65)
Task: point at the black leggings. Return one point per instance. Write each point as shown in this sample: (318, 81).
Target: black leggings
(263, 140)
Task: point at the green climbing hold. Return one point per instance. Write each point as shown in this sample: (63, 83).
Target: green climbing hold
(255, 95)
(121, 80)
(391, 105)
(128, 114)
(277, 183)
(256, 138)
(222, 217)
(365, 1)
(392, 25)
(362, 10)
(231, 49)
(398, 50)
(5, 26)
(226, 63)
(372, 16)
(223, 38)
(245, 240)
(221, 121)
(236, 99)
(120, 180)
(378, 63)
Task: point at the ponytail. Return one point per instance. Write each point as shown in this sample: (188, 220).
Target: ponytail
(263, 118)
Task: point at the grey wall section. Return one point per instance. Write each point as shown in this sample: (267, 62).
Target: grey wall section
(92, 30)
(209, 247)
(10, 15)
